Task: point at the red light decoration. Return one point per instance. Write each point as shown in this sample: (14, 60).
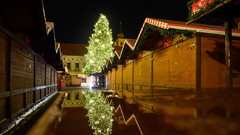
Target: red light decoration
(167, 42)
(140, 55)
(200, 4)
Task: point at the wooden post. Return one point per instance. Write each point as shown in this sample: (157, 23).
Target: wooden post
(35, 78)
(110, 79)
(122, 80)
(151, 72)
(198, 62)
(9, 106)
(133, 79)
(115, 79)
(228, 53)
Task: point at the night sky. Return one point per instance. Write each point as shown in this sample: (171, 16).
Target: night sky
(74, 19)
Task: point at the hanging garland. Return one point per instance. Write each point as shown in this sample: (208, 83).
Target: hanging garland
(208, 7)
(162, 32)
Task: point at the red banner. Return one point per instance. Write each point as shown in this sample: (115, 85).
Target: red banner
(200, 4)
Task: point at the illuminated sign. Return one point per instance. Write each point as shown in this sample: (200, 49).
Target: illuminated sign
(200, 4)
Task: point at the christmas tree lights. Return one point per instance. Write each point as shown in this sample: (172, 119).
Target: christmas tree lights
(100, 46)
(100, 113)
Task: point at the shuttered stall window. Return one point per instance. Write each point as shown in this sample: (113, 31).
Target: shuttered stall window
(40, 75)
(119, 77)
(175, 66)
(4, 72)
(22, 75)
(142, 75)
(48, 77)
(113, 78)
(127, 78)
(52, 79)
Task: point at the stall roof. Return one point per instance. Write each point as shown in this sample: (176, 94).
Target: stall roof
(49, 27)
(201, 28)
(127, 43)
(167, 24)
(74, 49)
(229, 8)
(24, 16)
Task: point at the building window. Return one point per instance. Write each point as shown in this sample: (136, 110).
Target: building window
(77, 96)
(84, 80)
(68, 96)
(69, 66)
(77, 66)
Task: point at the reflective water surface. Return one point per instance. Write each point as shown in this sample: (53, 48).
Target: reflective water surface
(175, 112)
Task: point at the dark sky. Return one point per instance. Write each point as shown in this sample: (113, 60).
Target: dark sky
(74, 19)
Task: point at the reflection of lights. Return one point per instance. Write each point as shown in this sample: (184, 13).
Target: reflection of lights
(91, 61)
(99, 113)
(91, 101)
(91, 83)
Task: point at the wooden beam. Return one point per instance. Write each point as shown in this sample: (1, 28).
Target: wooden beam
(4, 94)
(115, 78)
(133, 79)
(151, 72)
(9, 103)
(198, 62)
(122, 80)
(23, 91)
(35, 78)
(228, 53)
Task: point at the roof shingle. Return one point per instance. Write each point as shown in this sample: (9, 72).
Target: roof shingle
(74, 49)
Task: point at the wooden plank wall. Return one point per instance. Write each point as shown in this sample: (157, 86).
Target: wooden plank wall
(113, 79)
(25, 78)
(119, 78)
(172, 67)
(176, 67)
(109, 79)
(213, 62)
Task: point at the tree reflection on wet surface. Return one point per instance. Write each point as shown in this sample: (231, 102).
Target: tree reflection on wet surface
(176, 112)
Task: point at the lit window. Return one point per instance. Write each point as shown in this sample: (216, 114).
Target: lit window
(84, 80)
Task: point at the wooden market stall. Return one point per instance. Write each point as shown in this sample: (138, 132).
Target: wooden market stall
(171, 55)
(25, 77)
(225, 12)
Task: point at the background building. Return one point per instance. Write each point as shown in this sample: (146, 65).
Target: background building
(74, 61)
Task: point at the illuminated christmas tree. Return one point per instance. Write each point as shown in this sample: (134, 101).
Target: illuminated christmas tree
(100, 46)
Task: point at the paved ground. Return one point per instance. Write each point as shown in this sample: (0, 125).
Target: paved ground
(72, 88)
